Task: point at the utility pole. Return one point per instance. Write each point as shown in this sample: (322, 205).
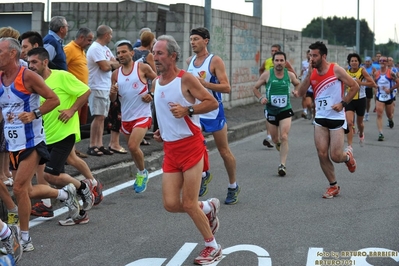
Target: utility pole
(257, 9)
(373, 27)
(208, 17)
(358, 30)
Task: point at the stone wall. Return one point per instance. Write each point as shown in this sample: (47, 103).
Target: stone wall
(239, 40)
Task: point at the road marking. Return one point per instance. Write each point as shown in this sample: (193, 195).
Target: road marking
(106, 192)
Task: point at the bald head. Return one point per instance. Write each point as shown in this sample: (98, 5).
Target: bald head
(103, 30)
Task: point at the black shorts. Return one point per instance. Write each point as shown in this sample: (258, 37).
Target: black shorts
(331, 124)
(369, 93)
(59, 153)
(17, 156)
(389, 102)
(309, 94)
(358, 106)
(114, 116)
(275, 119)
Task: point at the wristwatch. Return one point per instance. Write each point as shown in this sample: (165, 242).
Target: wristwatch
(344, 104)
(37, 113)
(190, 111)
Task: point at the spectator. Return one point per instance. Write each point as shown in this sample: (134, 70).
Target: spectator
(101, 62)
(138, 42)
(53, 42)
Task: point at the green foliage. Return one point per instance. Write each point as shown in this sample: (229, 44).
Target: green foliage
(342, 31)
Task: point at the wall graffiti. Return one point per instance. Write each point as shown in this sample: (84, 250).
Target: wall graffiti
(116, 22)
(244, 74)
(241, 91)
(219, 43)
(245, 43)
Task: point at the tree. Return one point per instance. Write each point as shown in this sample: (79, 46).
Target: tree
(341, 31)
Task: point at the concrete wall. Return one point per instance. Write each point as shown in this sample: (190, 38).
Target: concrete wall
(239, 40)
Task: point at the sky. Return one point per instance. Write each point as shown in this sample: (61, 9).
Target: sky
(296, 14)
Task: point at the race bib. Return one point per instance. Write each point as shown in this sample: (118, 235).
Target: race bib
(279, 100)
(384, 97)
(15, 134)
(323, 103)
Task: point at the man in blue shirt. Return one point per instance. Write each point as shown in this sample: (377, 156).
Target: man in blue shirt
(58, 29)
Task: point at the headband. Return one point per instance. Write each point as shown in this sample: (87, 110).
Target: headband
(203, 34)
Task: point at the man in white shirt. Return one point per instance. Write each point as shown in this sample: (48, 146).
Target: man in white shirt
(101, 63)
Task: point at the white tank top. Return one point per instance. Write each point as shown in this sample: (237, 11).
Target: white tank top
(130, 91)
(328, 90)
(172, 128)
(15, 99)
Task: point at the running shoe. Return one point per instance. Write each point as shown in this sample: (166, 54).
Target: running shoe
(267, 143)
(361, 140)
(282, 170)
(213, 214)
(87, 195)
(209, 255)
(98, 192)
(204, 184)
(72, 202)
(140, 185)
(366, 117)
(81, 219)
(351, 163)
(12, 243)
(278, 146)
(232, 195)
(380, 137)
(12, 218)
(27, 245)
(390, 123)
(39, 209)
(304, 115)
(332, 192)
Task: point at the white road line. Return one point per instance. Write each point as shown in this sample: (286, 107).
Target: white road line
(106, 192)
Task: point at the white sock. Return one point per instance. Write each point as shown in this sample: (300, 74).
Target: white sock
(94, 182)
(234, 185)
(211, 243)
(5, 231)
(305, 110)
(47, 202)
(14, 210)
(206, 207)
(203, 174)
(269, 137)
(62, 194)
(142, 172)
(25, 235)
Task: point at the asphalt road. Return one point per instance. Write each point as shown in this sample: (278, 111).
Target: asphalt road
(278, 221)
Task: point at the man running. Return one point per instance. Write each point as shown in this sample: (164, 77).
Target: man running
(277, 104)
(387, 81)
(211, 72)
(129, 84)
(327, 80)
(179, 97)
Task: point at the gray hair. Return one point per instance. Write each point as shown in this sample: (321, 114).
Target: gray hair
(171, 45)
(144, 30)
(56, 23)
(83, 32)
(13, 44)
